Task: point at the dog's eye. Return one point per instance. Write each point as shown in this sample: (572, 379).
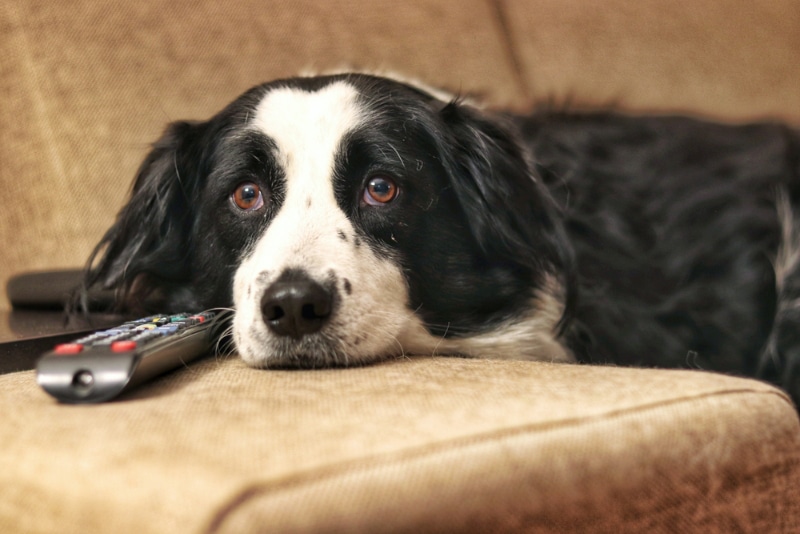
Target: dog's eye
(247, 196)
(380, 191)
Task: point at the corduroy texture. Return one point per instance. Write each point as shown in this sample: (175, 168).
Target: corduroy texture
(430, 444)
(86, 87)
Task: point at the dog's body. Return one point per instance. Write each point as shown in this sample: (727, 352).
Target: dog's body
(351, 218)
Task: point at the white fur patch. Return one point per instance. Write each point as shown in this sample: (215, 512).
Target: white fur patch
(530, 337)
(788, 255)
(785, 264)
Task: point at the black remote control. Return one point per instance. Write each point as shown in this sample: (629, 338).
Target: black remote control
(102, 365)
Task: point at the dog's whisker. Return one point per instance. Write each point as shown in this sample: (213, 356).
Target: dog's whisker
(441, 339)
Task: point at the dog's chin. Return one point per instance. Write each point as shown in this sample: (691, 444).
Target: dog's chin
(310, 352)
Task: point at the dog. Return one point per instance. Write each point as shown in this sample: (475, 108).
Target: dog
(352, 218)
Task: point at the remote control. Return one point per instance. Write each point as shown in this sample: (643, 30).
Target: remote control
(100, 366)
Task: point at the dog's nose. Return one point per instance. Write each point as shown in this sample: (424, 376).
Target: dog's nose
(296, 306)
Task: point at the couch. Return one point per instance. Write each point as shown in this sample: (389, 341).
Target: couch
(418, 444)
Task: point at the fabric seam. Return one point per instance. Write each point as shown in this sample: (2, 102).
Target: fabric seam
(508, 44)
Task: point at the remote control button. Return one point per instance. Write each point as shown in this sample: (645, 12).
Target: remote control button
(68, 348)
(123, 346)
(116, 331)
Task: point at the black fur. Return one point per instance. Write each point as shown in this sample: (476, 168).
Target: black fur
(663, 231)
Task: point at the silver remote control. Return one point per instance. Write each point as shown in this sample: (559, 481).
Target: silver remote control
(102, 365)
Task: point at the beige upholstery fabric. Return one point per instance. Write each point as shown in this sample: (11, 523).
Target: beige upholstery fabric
(733, 60)
(444, 444)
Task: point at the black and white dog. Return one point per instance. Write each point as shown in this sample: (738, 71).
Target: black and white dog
(351, 218)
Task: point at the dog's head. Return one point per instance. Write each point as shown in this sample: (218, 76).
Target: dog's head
(346, 218)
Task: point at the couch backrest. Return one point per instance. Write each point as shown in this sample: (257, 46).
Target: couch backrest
(86, 86)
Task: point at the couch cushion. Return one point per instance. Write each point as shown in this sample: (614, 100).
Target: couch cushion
(426, 443)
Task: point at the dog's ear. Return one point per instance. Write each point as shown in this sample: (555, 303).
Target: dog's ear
(509, 211)
(147, 249)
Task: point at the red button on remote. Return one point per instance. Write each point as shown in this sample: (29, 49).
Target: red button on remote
(123, 346)
(68, 348)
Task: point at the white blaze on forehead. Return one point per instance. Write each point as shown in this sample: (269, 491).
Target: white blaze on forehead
(307, 128)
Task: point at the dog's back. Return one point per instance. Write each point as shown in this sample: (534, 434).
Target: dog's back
(686, 236)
